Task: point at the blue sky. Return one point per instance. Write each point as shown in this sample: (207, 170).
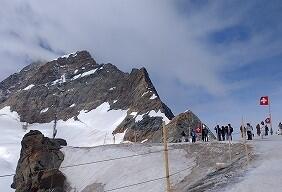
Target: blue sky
(214, 57)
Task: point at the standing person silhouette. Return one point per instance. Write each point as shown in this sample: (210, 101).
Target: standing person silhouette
(223, 133)
(258, 129)
(218, 132)
(230, 131)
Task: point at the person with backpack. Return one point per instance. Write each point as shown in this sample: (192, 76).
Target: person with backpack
(193, 135)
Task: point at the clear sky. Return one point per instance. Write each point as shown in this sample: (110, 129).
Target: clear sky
(215, 57)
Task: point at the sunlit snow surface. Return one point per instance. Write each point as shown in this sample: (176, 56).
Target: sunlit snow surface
(93, 128)
(266, 174)
(127, 171)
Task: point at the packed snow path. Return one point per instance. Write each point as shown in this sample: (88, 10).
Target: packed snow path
(266, 173)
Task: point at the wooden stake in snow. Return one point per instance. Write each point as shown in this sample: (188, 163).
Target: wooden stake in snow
(105, 138)
(229, 141)
(166, 158)
(245, 141)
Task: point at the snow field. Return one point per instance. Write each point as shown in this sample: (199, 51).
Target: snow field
(266, 174)
(127, 171)
(93, 128)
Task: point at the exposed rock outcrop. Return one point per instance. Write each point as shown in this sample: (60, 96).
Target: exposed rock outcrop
(38, 166)
(182, 123)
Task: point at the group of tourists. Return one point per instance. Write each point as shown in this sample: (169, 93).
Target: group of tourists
(224, 132)
(204, 134)
(261, 130)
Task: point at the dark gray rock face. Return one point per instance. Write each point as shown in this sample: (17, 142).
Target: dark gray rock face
(38, 166)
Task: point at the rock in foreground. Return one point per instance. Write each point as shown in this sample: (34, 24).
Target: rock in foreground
(37, 168)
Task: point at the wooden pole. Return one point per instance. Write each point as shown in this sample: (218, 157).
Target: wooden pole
(245, 141)
(166, 158)
(105, 138)
(229, 140)
(135, 138)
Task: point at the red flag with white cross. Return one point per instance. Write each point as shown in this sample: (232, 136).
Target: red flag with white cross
(264, 100)
(268, 120)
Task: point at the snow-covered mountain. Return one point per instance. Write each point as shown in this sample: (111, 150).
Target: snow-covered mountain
(94, 104)
(75, 84)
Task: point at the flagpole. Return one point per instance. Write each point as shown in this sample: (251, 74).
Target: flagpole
(269, 111)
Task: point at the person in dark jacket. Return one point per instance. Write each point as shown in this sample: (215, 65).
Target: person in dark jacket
(258, 129)
(249, 131)
(218, 132)
(183, 136)
(223, 133)
(266, 130)
(193, 135)
(226, 133)
(203, 134)
(230, 131)
(206, 134)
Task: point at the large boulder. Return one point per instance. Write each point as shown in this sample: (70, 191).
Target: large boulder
(38, 166)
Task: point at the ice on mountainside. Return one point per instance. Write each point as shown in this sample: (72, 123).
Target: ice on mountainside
(29, 87)
(84, 74)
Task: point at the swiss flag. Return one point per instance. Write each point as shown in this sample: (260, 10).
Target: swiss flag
(268, 120)
(264, 100)
(198, 130)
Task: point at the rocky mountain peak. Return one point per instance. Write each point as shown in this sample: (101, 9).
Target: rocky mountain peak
(73, 83)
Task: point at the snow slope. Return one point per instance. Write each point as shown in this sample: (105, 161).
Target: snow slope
(266, 174)
(127, 171)
(93, 128)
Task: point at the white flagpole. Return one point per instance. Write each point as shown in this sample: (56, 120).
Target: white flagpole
(269, 111)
